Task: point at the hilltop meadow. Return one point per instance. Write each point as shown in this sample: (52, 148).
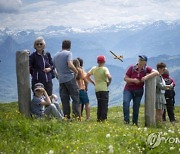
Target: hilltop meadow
(19, 134)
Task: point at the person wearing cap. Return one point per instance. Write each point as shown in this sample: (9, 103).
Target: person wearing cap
(102, 80)
(63, 62)
(133, 90)
(41, 65)
(169, 96)
(160, 91)
(41, 104)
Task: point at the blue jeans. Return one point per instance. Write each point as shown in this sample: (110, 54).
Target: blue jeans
(54, 110)
(136, 96)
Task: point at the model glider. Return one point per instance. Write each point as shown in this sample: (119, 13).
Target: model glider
(117, 57)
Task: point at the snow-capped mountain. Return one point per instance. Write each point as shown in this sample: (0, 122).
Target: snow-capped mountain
(152, 39)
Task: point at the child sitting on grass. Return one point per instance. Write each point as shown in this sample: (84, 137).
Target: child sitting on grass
(40, 100)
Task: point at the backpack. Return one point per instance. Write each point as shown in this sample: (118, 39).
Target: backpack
(170, 93)
(52, 71)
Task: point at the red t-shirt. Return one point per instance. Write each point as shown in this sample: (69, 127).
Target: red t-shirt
(132, 72)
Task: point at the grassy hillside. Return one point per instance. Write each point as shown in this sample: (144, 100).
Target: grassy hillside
(21, 135)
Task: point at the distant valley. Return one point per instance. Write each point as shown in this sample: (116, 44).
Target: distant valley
(160, 41)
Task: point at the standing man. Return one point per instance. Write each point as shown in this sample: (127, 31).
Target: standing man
(66, 75)
(133, 90)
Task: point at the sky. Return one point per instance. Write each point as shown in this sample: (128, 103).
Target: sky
(82, 14)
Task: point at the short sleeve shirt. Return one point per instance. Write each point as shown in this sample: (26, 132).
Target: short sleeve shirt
(60, 60)
(100, 77)
(133, 72)
(36, 107)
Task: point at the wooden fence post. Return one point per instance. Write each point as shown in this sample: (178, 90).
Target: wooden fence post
(150, 98)
(23, 82)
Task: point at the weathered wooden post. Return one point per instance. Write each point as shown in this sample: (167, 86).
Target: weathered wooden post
(23, 82)
(150, 98)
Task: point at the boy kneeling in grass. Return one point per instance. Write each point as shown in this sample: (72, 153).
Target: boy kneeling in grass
(41, 104)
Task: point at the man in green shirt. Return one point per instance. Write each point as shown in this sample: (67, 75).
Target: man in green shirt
(102, 80)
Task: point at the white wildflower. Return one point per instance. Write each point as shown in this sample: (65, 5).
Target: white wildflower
(171, 131)
(145, 129)
(107, 135)
(172, 148)
(111, 149)
(51, 151)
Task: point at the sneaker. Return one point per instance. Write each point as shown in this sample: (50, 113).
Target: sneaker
(67, 119)
(173, 123)
(126, 122)
(87, 119)
(135, 124)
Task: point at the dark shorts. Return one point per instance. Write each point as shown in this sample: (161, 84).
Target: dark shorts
(83, 97)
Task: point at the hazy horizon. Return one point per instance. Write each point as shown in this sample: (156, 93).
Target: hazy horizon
(39, 14)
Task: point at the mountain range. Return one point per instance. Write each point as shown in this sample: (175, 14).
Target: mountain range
(160, 41)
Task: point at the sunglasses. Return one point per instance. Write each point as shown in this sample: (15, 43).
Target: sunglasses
(141, 59)
(39, 44)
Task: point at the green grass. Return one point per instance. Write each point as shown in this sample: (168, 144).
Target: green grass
(22, 135)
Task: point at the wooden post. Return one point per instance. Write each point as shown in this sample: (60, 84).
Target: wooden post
(150, 98)
(23, 82)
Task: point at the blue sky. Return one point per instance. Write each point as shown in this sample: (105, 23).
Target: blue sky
(38, 14)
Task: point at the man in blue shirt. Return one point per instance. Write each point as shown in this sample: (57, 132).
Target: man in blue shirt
(66, 73)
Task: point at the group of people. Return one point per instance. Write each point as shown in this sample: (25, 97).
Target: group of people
(135, 77)
(73, 82)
